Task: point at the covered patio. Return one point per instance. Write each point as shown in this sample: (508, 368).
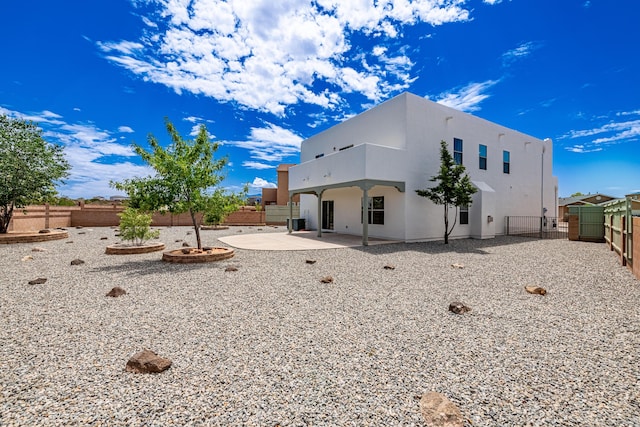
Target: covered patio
(364, 184)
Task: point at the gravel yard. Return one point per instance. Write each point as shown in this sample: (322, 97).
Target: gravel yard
(269, 345)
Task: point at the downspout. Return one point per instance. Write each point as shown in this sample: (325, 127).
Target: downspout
(542, 190)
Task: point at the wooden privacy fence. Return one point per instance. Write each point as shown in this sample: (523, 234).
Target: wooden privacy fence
(586, 223)
(619, 224)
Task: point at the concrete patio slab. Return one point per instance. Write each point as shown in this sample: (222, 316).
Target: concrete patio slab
(296, 241)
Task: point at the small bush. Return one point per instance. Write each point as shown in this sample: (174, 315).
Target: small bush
(135, 226)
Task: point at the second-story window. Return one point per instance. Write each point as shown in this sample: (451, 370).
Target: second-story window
(457, 151)
(506, 162)
(482, 153)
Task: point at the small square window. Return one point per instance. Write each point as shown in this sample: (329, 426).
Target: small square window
(375, 212)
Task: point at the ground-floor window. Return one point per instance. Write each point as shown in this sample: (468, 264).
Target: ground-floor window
(375, 210)
(464, 214)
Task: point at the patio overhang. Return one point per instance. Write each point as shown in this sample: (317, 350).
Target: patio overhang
(364, 184)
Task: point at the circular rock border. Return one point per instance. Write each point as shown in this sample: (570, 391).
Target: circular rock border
(214, 227)
(194, 255)
(124, 249)
(32, 237)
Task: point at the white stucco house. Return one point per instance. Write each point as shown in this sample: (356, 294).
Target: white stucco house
(376, 160)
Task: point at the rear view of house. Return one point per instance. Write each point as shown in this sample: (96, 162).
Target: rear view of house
(360, 176)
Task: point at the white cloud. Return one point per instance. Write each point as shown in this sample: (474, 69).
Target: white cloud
(259, 183)
(270, 144)
(621, 130)
(125, 129)
(467, 98)
(267, 55)
(492, 2)
(609, 133)
(85, 148)
(629, 113)
(520, 52)
(256, 165)
(582, 149)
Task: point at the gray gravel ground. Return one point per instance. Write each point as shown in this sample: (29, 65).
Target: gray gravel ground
(269, 345)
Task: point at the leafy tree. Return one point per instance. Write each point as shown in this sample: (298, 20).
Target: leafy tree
(454, 188)
(221, 204)
(184, 172)
(578, 194)
(135, 226)
(63, 201)
(29, 167)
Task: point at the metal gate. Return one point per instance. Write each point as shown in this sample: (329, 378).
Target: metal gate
(534, 226)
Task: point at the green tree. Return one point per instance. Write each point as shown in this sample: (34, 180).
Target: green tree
(578, 194)
(221, 204)
(29, 167)
(185, 172)
(135, 226)
(454, 188)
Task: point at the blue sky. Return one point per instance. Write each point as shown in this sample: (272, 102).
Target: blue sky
(265, 75)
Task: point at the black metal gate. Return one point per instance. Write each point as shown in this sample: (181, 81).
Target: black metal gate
(536, 227)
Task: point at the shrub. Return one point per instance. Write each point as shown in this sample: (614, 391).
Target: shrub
(135, 226)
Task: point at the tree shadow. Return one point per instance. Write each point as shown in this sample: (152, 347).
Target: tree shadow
(156, 266)
(464, 246)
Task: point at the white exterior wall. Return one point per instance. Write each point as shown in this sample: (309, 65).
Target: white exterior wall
(399, 140)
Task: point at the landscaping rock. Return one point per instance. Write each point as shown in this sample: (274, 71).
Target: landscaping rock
(77, 261)
(38, 249)
(186, 251)
(231, 268)
(536, 290)
(27, 258)
(311, 261)
(327, 279)
(104, 238)
(389, 267)
(438, 411)
(116, 292)
(38, 281)
(185, 244)
(458, 307)
(147, 362)
(82, 232)
(45, 231)
(456, 265)
(69, 241)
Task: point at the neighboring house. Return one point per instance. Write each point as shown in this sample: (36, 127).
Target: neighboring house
(585, 200)
(279, 196)
(275, 200)
(378, 159)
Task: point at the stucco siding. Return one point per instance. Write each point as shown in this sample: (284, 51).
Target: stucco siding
(399, 140)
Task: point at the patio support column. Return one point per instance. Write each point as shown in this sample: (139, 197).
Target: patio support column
(290, 223)
(319, 193)
(365, 216)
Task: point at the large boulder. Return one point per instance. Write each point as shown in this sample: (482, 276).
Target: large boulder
(438, 411)
(147, 362)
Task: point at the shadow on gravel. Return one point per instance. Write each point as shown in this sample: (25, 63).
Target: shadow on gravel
(147, 267)
(464, 246)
